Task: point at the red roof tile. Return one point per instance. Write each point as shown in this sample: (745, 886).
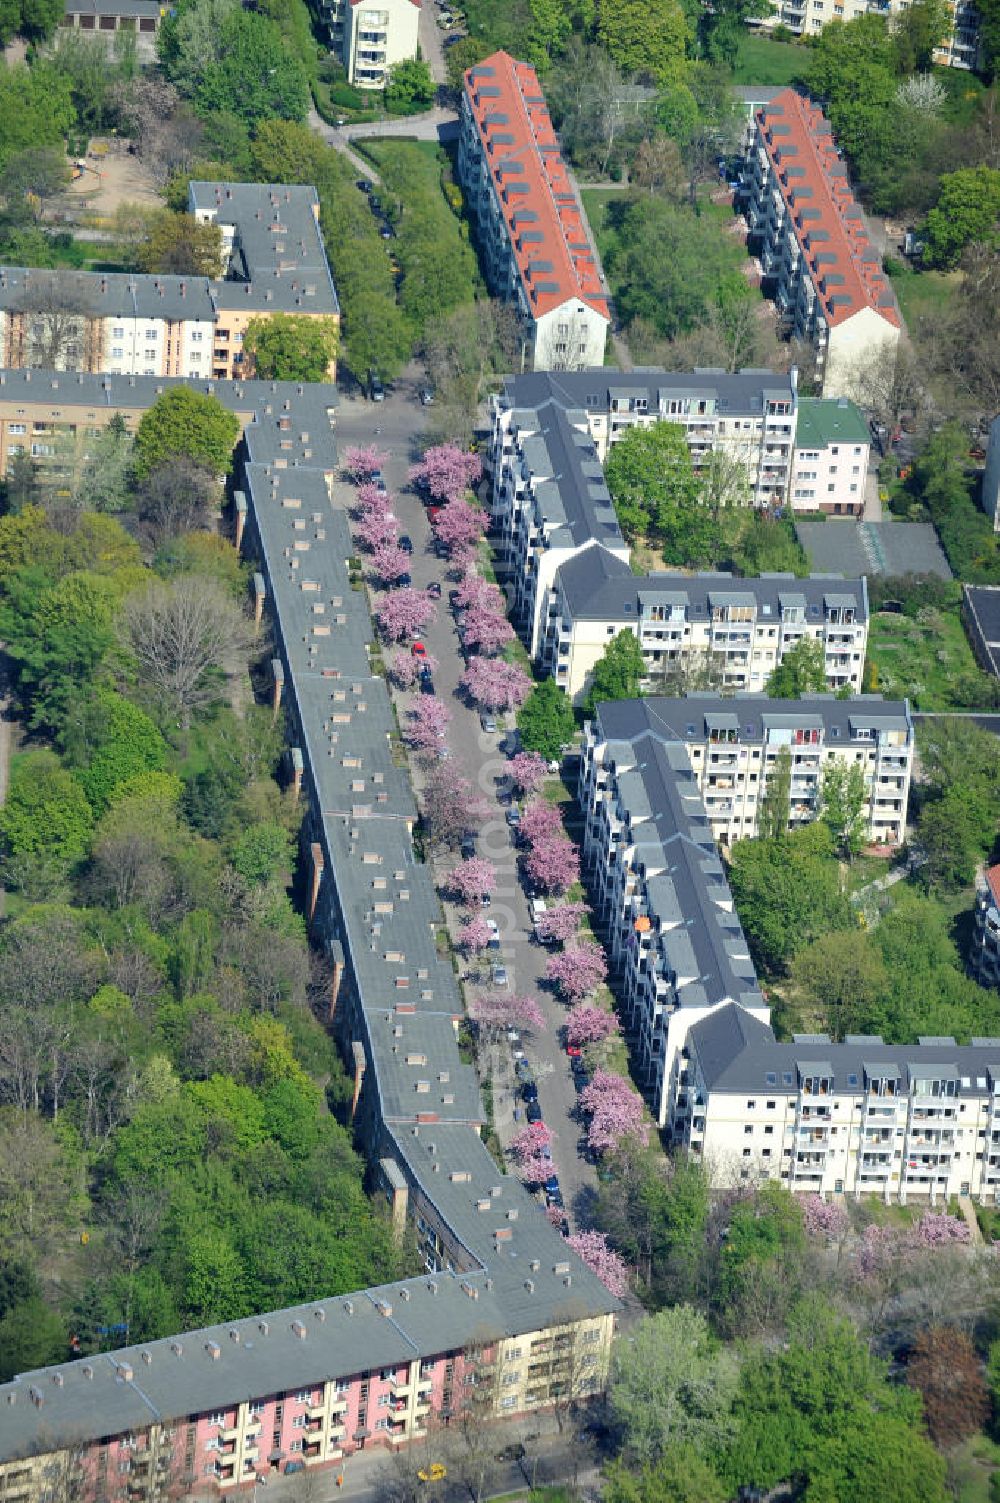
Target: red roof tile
(993, 883)
(829, 226)
(522, 153)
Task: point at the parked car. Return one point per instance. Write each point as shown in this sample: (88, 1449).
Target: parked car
(554, 1198)
(434, 590)
(468, 847)
(381, 486)
(485, 899)
(453, 598)
(426, 396)
(375, 388)
(500, 976)
(406, 543)
(529, 1091)
(427, 684)
(581, 1080)
(364, 185)
(513, 817)
(494, 940)
(574, 1051)
(538, 911)
(487, 722)
(533, 1112)
(376, 203)
(523, 1071)
(577, 1065)
(419, 650)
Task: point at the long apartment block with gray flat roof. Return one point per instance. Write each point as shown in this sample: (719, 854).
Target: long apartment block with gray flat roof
(505, 1315)
(705, 628)
(163, 325)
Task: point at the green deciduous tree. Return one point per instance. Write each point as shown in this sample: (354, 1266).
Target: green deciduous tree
(967, 210)
(618, 673)
(788, 893)
(671, 1384)
(546, 720)
(46, 810)
(821, 1416)
(410, 87)
(772, 820)
(844, 976)
(680, 1474)
(843, 801)
(36, 108)
(802, 671)
(181, 245)
(124, 742)
(651, 481)
(254, 77)
(647, 37)
(291, 347)
(183, 421)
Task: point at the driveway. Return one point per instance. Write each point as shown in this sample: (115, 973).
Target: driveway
(478, 757)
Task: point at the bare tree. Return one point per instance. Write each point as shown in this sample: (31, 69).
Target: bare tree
(887, 384)
(167, 134)
(181, 634)
(697, 671)
(55, 308)
(178, 496)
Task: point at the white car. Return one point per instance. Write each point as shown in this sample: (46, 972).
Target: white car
(500, 977)
(494, 939)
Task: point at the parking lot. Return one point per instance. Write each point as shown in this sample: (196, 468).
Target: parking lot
(477, 755)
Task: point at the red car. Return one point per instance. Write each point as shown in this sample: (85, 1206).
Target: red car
(419, 650)
(434, 511)
(573, 1050)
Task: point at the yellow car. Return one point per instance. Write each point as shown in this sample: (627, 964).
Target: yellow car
(436, 1472)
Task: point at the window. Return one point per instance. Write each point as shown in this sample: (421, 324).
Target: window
(751, 1106)
(384, 1401)
(256, 1408)
(117, 353)
(17, 428)
(196, 336)
(297, 1445)
(508, 1403)
(298, 1422)
(219, 1418)
(304, 1396)
(118, 332)
(747, 1130)
(150, 333)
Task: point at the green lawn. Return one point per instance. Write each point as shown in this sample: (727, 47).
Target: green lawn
(922, 292)
(769, 63)
(596, 202)
(970, 1468)
(922, 659)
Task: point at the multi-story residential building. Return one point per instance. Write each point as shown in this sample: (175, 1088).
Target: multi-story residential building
(661, 902)
(506, 1318)
(126, 324)
(552, 434)
(860, 1117)
(984, 953)
(959, 49)
(732, 746)
(816, 255)
(832, 448)
(661, 782)
(698, 630)
(370, 36)
(531, 231)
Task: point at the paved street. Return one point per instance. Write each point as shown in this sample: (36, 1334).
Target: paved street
(478, 757)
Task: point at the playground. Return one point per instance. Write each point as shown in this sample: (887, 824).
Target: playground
(111, 176)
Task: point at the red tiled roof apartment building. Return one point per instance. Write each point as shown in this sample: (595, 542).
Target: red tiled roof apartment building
(530, 227)
(813, 243)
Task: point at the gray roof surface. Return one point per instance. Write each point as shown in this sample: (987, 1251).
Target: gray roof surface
(387, 916)
(279, 265)
(569, 488)
(889, 548)
(702, 946)
(598, 585)
(737, 1053)
(737, 393)
(266, 403)
(684, 719)
(146, 9)
(982, 604)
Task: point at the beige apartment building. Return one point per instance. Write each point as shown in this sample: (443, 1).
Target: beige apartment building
(698, 630)
(904, 1122)
(369, 36)
(175, 326)
(959, 49)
